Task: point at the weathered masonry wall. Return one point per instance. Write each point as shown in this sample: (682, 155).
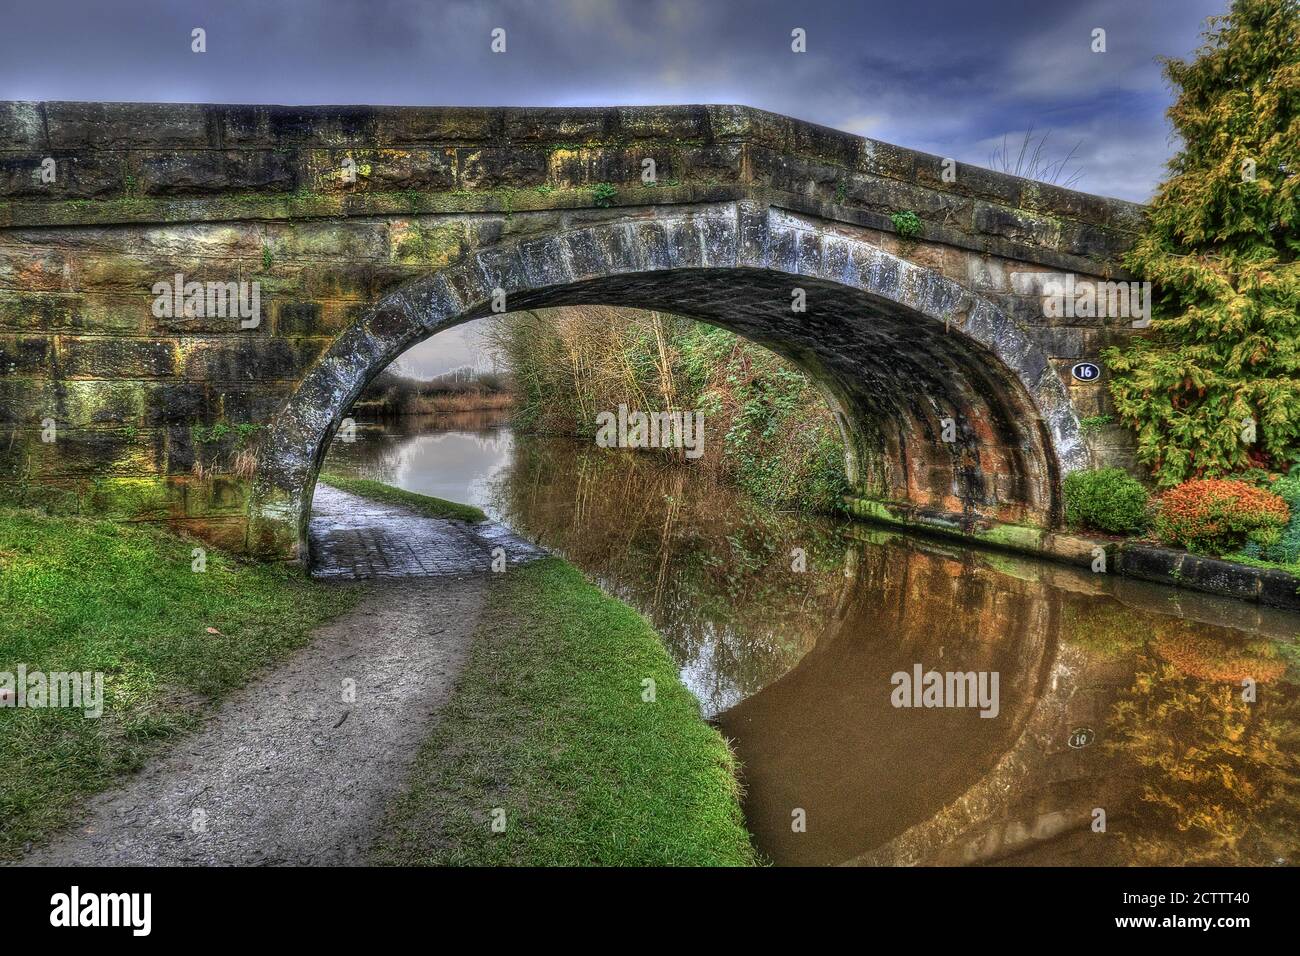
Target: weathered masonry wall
(107, 408)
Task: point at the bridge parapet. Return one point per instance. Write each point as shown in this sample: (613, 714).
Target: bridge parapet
(193, 163)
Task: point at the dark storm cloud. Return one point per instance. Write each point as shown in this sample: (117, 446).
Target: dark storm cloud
(948, 77)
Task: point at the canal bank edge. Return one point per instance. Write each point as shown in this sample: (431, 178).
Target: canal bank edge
(563, 683)
(570, 740)
(1147, 562)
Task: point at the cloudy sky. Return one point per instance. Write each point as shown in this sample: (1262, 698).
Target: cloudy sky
(951, 77)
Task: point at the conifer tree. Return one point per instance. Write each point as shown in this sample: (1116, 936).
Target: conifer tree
(1215, 388)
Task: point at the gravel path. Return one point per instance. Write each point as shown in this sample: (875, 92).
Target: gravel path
(289, 770)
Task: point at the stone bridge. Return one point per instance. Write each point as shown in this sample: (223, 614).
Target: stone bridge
(127, 391)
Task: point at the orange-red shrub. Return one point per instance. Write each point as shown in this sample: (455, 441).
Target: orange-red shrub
(1215, 515)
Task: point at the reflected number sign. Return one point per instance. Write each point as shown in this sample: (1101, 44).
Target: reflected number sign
(1086, 372)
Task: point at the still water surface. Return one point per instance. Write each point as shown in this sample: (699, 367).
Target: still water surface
(1121, 735)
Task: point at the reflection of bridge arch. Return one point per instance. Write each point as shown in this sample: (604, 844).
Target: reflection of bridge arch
(876, 781)
(1020, 769)
(898, 346)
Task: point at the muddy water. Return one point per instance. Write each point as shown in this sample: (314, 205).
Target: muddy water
(1120, 736)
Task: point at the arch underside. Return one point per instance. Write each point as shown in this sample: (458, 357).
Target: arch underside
(948, 410)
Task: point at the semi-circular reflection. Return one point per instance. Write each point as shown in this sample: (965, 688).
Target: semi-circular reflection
(826, 746)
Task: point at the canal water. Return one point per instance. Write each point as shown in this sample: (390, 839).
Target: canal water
(1131, 724)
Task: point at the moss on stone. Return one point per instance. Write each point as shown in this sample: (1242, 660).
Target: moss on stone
(217, 495)
(1014, 536)
(869, 508)
(133, 498)
(431, 245)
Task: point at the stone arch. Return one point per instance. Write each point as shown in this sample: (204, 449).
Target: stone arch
(901, 350)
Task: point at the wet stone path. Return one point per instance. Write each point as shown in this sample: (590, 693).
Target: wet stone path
(354, 537)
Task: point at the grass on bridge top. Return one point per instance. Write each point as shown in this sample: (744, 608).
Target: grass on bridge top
(426, 505)
(549, 725)
(85, 595)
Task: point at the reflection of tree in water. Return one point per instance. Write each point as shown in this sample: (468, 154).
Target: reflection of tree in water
(710, 569)
(1221, 773)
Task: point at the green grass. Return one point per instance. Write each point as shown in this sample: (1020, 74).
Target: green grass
(84, 595)
(424, 504)
(1240, 557)
(548, 723)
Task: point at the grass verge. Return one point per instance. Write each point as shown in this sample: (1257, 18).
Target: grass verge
(549, 725)
(84, 595)
(1239, 557)
(425, 504)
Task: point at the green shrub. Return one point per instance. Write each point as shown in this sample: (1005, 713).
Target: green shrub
(1105, 500)
(1286, 550)
(907, 224)
(1214, 516)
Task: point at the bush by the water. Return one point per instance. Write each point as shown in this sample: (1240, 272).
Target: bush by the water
(1216, 516)
(1106, 500)
(1286, 550)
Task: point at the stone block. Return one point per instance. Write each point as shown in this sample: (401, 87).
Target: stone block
(234, 403)
(1220, 577)
(533, 124)
(85, 126)
(229, 533)
(26, 355)
(22, 126)
(247, 358)
(585, 166)
(75, 176)
(117, 358)
(210, 171)
(1018, 226)
(496, 167)
(383, 170)
(1150, 563)
(72, 312)
(219, 495)
(1279, 589)
(82, 453)
(663, 122)
(150, 498)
